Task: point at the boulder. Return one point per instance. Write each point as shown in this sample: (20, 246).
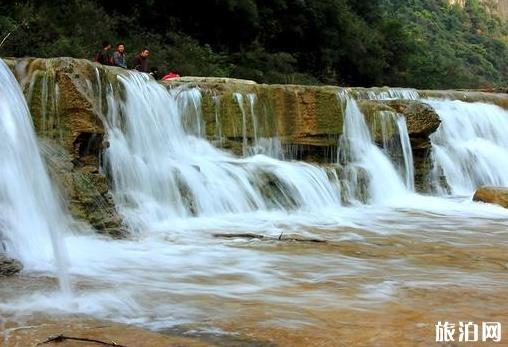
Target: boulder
(492, 195)
(8, 266)
(422, 120)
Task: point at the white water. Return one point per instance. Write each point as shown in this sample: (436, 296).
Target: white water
(470, 148)
(391, 93)
(177, 190)
(358, 149)
(245, 143)
(32, 220)
(161, 171)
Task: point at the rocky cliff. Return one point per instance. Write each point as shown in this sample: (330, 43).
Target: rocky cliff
(497, 7)
(66, 111)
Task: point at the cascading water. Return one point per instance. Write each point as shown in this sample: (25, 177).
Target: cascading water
(160, 170)
(168, 178)
(407, 153)
(470, 148)
(269, 146)
(245, 141)
(32, 220)
(390, 94)
(163, 168)
(357, 149)
(395, 143)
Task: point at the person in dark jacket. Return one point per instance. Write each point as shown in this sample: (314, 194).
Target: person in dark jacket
(141, 60)
(103, 57)
(119, 55)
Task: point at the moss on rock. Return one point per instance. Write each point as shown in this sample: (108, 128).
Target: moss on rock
(66, 99)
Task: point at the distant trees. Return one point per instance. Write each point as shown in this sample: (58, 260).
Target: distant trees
(420, 43)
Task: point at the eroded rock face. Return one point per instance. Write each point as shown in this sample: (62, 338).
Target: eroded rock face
(492, 195)
(85, 187)
(308, 118)
(421, 119)
(67, 100)
(494, 7)
(299, 115)
(8, 266)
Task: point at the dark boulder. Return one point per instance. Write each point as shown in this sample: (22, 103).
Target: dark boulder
(8, 266)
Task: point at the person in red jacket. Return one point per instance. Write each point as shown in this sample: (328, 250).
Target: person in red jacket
(170, 76)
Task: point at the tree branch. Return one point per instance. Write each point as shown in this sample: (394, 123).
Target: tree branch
(24, 22)
(62, 338)
(5, 38)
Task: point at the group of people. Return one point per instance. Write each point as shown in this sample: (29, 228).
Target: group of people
(139, 63)
(118, 58)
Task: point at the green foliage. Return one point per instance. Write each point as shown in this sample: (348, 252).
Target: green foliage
(452, 47)
(418, 43)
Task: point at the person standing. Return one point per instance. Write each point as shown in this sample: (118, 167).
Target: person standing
(119, 56)
(103, 57)
(141, 60)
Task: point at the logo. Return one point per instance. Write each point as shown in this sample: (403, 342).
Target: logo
(468, 332)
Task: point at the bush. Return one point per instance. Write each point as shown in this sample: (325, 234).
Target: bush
(418, 43)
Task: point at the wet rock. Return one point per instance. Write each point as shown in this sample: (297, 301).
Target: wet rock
(8, 266)
(67, 103)
(298, 115)
(421, 118)
(89, 170)
(273, 190)
(492, 195)
(11, 62)
(85, 187)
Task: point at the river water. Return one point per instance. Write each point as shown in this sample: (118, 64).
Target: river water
(280, 251)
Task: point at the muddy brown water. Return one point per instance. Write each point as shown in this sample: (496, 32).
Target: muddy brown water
(387, 286)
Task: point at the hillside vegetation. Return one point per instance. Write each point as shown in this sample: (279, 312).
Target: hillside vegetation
(417, 43)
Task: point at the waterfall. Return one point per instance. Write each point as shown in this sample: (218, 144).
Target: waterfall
(189, 102)
(245, 143)
(32, 219)
(269, 146)
(392, 129)
(357, 149)
(160, 169)
(178, 192)
(407, 153)
(389, 94)
(470, 148)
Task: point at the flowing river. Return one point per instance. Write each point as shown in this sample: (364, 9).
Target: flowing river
(278, 250)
